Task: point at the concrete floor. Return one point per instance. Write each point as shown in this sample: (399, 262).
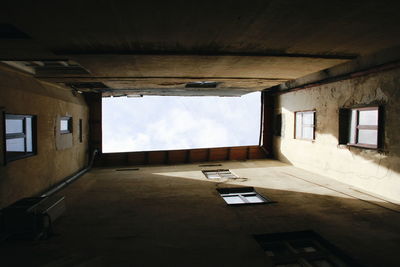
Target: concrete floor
(173, 216)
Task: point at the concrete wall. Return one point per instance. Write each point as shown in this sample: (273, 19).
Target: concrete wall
(371, 170)
(173, 215)
(22, 94)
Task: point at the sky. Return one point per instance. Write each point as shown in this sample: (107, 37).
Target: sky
(179, 122)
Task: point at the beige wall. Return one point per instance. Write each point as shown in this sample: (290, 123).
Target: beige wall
(22, 94)
(371, 170)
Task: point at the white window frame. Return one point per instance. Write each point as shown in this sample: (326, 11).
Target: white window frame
(242, 193)
(23, 134)
(300, 135)
(356, 127)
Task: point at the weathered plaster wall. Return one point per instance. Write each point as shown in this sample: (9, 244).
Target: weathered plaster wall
(371, 170)
(22, 94)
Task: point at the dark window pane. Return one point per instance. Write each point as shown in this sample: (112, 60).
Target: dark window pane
(289, 265)
(368, 117)
(80, 131)
(369, 137)
(14, 126)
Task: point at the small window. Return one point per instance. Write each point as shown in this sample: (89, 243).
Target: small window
(364, 127)
(80, 131)
(305, 248)
(219, 174)
(304, 125)
(242, 195)
(65, 125)
(20, 136)
(277, 126)
(360, 127)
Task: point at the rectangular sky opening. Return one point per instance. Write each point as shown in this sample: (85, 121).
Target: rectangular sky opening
(180, 122)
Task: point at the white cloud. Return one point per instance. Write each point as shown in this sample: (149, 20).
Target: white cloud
(160, 123)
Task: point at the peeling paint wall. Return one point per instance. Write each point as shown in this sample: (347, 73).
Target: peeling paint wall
(22, 94)
(371, 170)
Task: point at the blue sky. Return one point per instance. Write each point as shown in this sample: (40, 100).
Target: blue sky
(178, 122)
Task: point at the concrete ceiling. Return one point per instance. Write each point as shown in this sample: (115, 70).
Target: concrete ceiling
(162, 45)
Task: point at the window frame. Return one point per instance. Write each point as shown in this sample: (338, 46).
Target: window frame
(241, 192)
(218, 171)
(302, 125)
(23, 134)
(69, 122)
(358, 127)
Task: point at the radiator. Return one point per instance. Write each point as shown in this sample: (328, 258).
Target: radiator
(32, 218)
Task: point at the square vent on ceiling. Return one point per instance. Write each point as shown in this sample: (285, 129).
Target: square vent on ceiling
(8, 31)
(87, 85)
(201, 85)
(49, 68)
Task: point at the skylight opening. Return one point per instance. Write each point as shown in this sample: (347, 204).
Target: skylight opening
(205, 84)
(242, 196)
(152, 123)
